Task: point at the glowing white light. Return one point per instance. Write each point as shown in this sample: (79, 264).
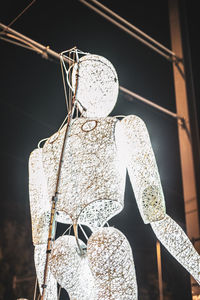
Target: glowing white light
(91, 187)
(92, 178)
(133, 141)
(97, 85)
(71, 269)
(111, 262)
(177, 243)
(38, 196)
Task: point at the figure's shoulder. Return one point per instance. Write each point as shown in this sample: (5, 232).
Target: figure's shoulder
(130, 122)
(35, 154)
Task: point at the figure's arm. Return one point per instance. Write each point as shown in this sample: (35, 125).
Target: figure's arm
(133, 142)
(39, 200)
(132, 135)
(40, 217)
(172, 236)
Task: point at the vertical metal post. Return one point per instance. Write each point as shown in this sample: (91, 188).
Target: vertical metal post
(184, 131)
(159, 264)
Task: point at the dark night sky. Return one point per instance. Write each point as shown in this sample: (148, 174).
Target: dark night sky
(33, 107)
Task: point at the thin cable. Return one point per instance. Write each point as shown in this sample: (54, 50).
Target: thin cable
(43, 140)
(133, 27)
(46, 51)
(166, 111)
(168, 57)
(18, 16)
(68, 229)
(24, 43)
(64, 84)
(62, 125)
(85, 235)
(16, 43)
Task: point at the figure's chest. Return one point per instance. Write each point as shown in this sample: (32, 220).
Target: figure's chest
(88, 140)
(89, 153)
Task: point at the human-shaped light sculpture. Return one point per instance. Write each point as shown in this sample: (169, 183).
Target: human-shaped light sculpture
(97, 152)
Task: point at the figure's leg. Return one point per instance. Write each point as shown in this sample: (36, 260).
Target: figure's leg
(111, 262)
(178, 244)
(40, 258)
(71, 270)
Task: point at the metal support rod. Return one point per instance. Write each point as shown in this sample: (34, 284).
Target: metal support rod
(185, 144)
(51, 234)
(52, 230)
(159, 264)
(45, 49)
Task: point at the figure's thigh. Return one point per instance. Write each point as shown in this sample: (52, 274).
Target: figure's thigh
(111, 262)
(71, 270)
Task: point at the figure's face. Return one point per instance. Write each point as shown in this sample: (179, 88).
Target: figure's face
(98, 85)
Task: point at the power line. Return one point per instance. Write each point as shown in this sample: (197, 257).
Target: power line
(19, 15)
(134, 27)
(171, 56)
(149, 102)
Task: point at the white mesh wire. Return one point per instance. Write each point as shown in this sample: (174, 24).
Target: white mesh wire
(133, 141)
(40, 205)
(97, 85)
(92, 177)
(71, 269)
(111, 262)
(177, 243)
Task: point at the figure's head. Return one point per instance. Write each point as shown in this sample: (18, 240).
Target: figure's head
(98, 85)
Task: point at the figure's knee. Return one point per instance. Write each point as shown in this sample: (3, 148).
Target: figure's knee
(111, 262)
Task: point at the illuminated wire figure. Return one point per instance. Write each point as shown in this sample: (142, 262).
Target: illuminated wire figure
(97, 152)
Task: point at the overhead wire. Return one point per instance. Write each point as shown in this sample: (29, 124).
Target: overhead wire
(41, 50)
(133, 27)
(18, 16)
(16, 43)
(149, 102)
(166, 56)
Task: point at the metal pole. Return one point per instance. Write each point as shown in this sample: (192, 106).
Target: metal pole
(159, 264)
(184, 132)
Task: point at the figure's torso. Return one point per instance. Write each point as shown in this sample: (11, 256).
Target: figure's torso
(92, 177)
